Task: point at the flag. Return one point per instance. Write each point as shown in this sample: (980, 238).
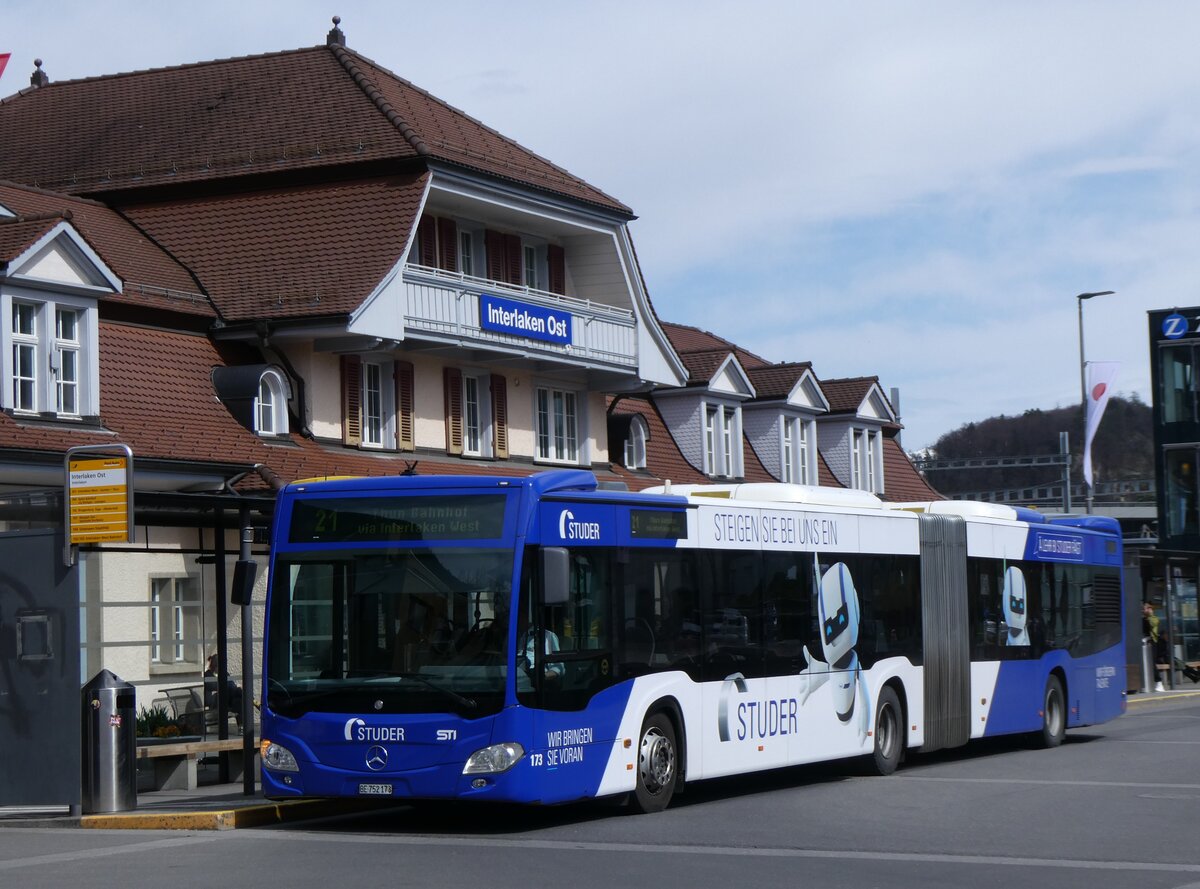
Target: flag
(1100, 376)
(3, 61)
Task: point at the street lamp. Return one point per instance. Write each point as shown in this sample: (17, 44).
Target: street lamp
(1083, 377)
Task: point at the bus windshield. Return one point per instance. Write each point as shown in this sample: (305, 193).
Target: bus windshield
(389, 630)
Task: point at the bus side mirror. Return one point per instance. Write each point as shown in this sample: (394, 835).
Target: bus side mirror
(244, 573)
(556, 575)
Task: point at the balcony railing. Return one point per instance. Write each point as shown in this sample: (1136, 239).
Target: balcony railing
(444, 306)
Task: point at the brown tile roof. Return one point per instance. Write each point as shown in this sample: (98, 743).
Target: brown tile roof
(776, 380)
(284, 111)
(847, 395)
(692, 341)
(451, 135)
(663, 457)
(19, 233)
(151, 277)
(900, 478)
(307, 250)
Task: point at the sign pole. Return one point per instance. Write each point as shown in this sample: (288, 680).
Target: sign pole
(98, 501)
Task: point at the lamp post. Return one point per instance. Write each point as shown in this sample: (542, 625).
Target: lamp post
(1083, 377)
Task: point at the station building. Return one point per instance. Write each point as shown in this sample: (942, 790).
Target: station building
(300, 264)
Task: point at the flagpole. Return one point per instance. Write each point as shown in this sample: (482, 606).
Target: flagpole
(1083, 380)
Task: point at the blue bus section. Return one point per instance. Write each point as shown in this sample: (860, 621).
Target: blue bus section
(541, 640)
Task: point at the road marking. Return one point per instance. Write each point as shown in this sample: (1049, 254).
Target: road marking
(730, 851)
(1136, 784)
(88, 854)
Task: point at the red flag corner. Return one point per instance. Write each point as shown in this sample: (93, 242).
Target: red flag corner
(3, 61)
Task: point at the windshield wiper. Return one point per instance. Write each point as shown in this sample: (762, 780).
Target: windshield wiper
(300, 698)
(452, 695)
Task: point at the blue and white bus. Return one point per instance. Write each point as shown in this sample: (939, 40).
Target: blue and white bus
(542, 639)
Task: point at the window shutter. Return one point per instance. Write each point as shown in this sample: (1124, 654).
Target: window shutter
(513, 261)
(556, 262)
(427, 241)
(351, 400)
(447, 232)
(452, 384)
(500, 417)
(493, 244)
(405, 409)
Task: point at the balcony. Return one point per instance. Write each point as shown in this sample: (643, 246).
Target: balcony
(443, 306)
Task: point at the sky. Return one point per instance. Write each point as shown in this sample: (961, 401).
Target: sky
(915, 191)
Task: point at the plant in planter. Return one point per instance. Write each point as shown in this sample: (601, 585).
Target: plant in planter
(156, 722)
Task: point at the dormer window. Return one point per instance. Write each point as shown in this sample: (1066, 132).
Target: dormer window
(796, 459)
(866, 460)
(48, 357)
(270, 408)
(635, 444)
(722, 439)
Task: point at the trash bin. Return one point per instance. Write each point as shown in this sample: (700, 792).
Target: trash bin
(1149, 673)
(109, 745)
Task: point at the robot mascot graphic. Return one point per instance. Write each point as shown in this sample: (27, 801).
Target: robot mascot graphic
(839, 616)
(1014, 607)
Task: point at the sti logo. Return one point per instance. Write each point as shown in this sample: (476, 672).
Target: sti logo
(569, 529)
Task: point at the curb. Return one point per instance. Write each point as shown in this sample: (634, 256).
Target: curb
(1160, 697)
(222, 819)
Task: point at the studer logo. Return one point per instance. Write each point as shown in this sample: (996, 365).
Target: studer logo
(569, 529)
(358, 730)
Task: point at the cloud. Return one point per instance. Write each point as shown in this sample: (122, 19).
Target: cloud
(911, 190)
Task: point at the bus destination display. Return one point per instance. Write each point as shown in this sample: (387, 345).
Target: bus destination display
(379, 519)
(660, 523)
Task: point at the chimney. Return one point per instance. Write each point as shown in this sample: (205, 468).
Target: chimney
(335, 37)
(38, 77)
(894, 397)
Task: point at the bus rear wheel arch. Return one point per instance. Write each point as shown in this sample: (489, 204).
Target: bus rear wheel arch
(889, 732)
(658, 764)
(1054, 713)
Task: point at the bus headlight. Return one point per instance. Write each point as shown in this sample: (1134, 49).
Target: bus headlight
(495, 759)
(277, 757)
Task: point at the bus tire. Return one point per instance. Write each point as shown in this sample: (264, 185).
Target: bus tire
(657, 766)
(889, 732)
(1054, 713)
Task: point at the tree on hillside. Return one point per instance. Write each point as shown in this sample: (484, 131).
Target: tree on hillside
(1123, 448)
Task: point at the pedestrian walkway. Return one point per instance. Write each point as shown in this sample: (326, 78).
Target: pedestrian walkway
(208, 807)
(227, 807)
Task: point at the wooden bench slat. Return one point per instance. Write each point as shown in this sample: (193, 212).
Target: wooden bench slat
(188, 748)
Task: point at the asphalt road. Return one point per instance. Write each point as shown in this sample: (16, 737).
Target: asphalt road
(1116, 806)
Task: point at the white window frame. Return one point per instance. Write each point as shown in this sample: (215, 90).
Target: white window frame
(804, 451)
(477, 430)
(270, 404)
(866, 460)
(466, 251)
(787, 450)
(183, 647)
(66, 361)
(557, 427)
(722, 440)
(45, 381)
(796, 451)
(23, 373)
(378, 394)
(635, 444)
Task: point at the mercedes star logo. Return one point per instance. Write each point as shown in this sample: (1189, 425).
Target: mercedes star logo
(376, 758)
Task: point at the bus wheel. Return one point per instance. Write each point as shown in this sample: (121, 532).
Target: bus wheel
(657, 765)
(889, 732)
(1054, 713)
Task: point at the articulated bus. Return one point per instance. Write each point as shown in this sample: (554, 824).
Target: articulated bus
(542, 639)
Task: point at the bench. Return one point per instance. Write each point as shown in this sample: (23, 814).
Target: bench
(175, 764)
